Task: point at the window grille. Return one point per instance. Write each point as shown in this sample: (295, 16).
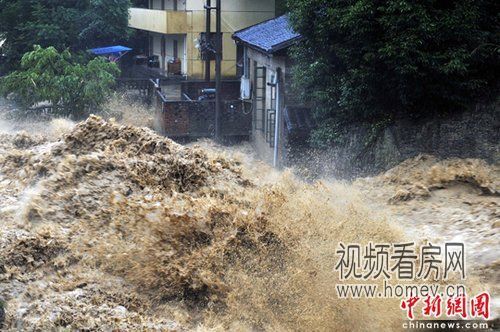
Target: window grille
(259, 97)
(270, 126)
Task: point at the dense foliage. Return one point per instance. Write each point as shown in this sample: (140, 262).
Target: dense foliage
(47, 75)
(280, 7)
(74, 24)
(376, 60)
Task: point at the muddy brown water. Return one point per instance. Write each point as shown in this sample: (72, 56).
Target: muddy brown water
(109, 226)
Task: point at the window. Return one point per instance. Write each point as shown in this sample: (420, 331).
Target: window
(270, 126)
(259, 97)
(240, 61)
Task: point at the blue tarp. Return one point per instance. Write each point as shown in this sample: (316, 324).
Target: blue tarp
(110, 50)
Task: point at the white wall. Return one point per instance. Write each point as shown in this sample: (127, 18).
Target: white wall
(157, 44)
(157, 48)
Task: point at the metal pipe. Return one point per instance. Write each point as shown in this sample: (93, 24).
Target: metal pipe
(246, 70)
(163, 41)
(207, 37)
(218, 69)
(277, 121)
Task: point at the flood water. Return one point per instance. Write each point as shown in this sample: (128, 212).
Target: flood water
(110, 226)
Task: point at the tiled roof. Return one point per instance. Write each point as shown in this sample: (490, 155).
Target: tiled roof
(269, 36)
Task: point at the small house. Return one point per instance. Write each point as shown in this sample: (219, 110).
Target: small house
(278, 119)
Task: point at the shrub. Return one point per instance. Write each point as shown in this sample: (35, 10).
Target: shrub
(47, 75)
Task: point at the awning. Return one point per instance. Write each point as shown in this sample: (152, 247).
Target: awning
(110, 50)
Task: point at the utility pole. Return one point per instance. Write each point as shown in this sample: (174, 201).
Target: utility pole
(218, 60)
(208, 8)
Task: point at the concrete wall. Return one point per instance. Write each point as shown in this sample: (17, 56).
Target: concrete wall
(471, 134)
(193, 119)
(156, 45)
(236, 15)
(160, 21)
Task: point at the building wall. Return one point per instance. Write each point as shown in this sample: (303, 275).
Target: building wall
(236, 15)
(169, 49)
(272, 63)
(469, 134)
(160, 21)
(156, 44)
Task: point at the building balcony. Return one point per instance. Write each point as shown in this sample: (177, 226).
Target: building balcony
(160, 21)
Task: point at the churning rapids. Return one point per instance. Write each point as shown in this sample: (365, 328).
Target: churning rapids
(111, 227)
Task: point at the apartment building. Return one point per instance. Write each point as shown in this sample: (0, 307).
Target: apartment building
(175, 29)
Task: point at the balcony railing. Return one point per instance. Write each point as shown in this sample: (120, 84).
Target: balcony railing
(161, 21)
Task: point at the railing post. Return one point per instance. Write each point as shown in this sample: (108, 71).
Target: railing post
(218, 69)
(207, 38)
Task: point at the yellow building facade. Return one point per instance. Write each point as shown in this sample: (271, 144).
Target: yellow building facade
(175, 26)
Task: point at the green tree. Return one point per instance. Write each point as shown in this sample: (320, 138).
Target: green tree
(74, 24)
(107, 22)
(281, 7)
(374, 61)
(47, 75)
